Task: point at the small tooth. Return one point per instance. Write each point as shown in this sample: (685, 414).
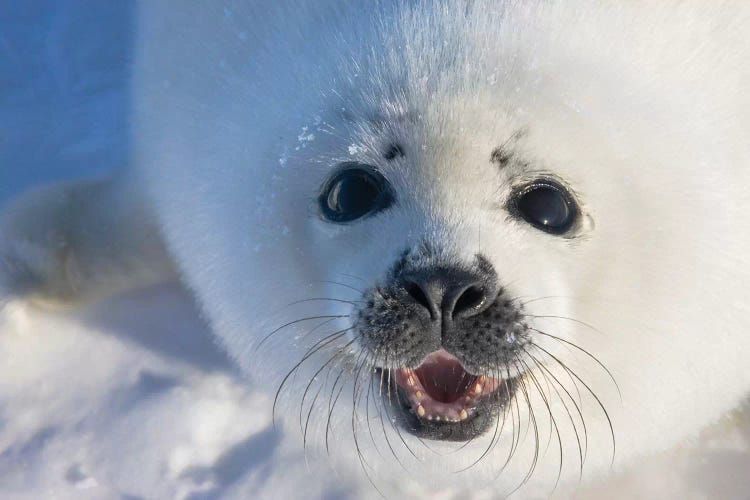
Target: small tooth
(420, 410)
(463, 415)
(438, 418)
(411, 381)
(477, 389)
(482, 378)
(419, 394)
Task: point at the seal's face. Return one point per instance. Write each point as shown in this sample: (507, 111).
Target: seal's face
(446, 338)
(464, 227)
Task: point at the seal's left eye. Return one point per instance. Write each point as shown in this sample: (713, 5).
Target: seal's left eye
(547, 206)
(354, 193)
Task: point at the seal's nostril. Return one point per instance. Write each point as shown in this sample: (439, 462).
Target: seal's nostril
(448, 291)
(419, 295)
(470, 299)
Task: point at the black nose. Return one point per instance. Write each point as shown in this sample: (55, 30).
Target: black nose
(450, 293)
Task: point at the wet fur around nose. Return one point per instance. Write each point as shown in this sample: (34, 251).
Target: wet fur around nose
(399, 331)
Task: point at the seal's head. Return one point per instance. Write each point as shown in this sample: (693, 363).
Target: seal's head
(514, 225)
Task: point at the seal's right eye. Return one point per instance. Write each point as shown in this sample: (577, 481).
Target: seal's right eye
(547, 206)
(355, 192)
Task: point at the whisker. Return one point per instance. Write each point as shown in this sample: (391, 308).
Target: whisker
(352, 277)
(537, 299)
(382, 426)
(581, 452)
(380, 404)
(587, 353)
(490, 446)
(516, 431)
(319, 299)
(553, 422)
(340, 284)
(310, 352)
(577, 321)
(398, 431)
(317, 394)
(264, 339)
(532, 423)
(358, 372)
(307, 421)
(360, 455)
(313, 378)
(331, 405)
(367, 415)
(593, 394)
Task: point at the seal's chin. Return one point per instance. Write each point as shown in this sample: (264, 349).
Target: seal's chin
(441, 400)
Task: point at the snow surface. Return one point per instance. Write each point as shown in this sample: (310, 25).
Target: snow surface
(130, 398)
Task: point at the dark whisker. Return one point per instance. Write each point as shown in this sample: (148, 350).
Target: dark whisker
(577, 321)
(358, 370)
(361, 362)
(353, 277)
(310, 352)
(331, 405)
(367, 414)
(537, 299)
(319, 299)
(516, 431)
(593, 394)
(490, 446)
(332, 317)
(553, 421)
(398, 431)
(532, 423)
(382, 423)
(547, 373)
(587, 353)
(307, 421)
(340, 284)
(313, 379)
(336, 356)
(380, 404)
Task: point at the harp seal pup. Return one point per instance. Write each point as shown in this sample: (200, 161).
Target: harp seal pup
(501, 239)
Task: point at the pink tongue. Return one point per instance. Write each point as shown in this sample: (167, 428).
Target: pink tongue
(443, 377)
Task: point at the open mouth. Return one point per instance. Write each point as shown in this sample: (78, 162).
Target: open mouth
(440, 399)
(441, 390)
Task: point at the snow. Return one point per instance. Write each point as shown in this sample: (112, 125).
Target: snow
(104, 403)
(130, 397)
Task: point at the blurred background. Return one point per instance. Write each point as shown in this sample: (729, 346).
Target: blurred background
(63, 98)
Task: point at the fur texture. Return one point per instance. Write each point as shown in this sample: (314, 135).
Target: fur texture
(243, 112)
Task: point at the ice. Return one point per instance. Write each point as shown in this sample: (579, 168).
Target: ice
(304, 137)
(284, 158)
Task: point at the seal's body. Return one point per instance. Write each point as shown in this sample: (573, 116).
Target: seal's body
(510, 230)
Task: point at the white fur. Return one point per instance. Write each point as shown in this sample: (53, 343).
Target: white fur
(241, 113)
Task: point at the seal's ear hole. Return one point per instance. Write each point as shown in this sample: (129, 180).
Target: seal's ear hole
(393, 152)
(547, 205)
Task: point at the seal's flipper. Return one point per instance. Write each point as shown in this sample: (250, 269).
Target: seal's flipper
(75, 242)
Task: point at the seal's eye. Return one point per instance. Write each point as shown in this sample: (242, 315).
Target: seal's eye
(547, 206)
(353, 193)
